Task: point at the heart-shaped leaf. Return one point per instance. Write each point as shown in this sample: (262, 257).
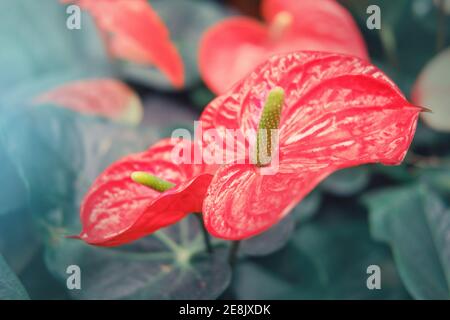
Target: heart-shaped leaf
(42, 47)
(437, 176)
(40, 283)
(167, 114)
(415, 222)
(170, 264)
(326, 259)
(308, 208)
(347, 182)
(58, 153)
(10, 286)
(19, 241)
(12, 188)
(269, 241)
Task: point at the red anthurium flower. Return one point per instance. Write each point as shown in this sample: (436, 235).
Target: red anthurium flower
(142, 193)
(332, 111)
(233, 47)
(133, 31)
(103, 97)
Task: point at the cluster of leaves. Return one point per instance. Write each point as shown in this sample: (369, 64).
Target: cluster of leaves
(394, 217)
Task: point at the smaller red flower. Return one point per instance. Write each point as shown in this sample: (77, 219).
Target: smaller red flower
(109, 98)
(332, 112)
(117, 209)
(133, 31)
(233, 47)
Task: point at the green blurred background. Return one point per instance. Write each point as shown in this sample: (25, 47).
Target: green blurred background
(395, 217)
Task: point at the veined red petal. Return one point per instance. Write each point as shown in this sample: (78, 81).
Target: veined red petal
(233, 47)
(241, 202)
(339, 111)
(133, 31)
(103, 97)
(117, 210)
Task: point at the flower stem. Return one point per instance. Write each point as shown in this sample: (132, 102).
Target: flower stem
(232, 255)
(206, 238)
(389, 44)
(441, 26)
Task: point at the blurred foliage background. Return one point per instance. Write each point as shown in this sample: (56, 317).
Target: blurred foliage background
(395, 217)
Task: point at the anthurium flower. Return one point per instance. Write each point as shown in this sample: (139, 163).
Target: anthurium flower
(233, 47)
(142, 193)
(133, 31)
(332, 112)
(109, 98)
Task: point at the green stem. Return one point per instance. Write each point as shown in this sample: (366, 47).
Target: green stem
(441, 27)
(232, 254)
(389, 44)
(167, 241)
(206, 238)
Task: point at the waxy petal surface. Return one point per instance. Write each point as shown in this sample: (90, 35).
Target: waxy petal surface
(233, 47)
(101, 97)
(133, 31)
(117, 210)
(339, 111)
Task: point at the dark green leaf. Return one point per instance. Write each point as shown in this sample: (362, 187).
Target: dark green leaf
(167, 114)
(415, 222)
(326, 259)
(60, 153)
(428, 141)
(437, 176)
(391, 11)
(10, 286)
(269, 241)
(41, 49)
(12, 188)
(347, 182)
(171, 264)
(396, 173)
(308, 207)
(18, 239)
(40, 284)
(201, 97)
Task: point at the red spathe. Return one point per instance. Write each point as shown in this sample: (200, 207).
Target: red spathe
(133, 31)
(233, 47)
(339, 111)
(116, 210)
